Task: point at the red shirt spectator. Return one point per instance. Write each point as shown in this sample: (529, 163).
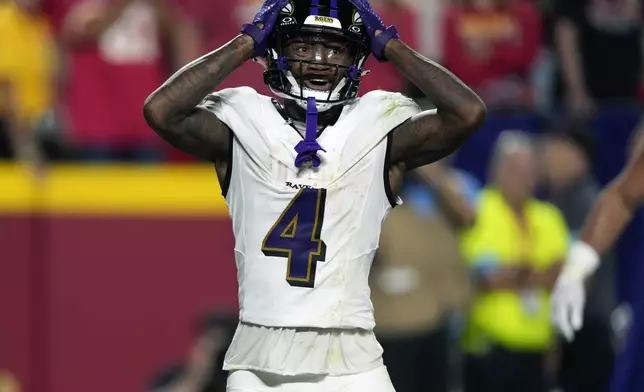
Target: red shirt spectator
(492, 47)
(116, 59)
(219, 23)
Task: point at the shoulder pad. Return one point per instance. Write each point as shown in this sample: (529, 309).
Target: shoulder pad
(232, 96)
(389, 105)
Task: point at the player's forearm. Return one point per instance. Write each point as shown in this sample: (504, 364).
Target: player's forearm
(610, 215)
(184, 90)
(448, 93)
(608, 219)
(606, 222)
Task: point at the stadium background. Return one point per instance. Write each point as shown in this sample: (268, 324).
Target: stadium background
(103, 267)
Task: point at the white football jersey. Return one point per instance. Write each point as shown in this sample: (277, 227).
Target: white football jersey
(305, 238)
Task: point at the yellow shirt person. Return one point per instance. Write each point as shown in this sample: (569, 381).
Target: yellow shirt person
(27, 61)
(515, 320)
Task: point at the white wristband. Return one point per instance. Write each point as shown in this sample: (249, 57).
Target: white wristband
(582, 261)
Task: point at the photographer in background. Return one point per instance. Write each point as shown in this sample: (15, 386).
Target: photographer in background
(203, 371)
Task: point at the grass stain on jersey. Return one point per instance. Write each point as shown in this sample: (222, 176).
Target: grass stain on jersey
(394, 104)
(391, 109)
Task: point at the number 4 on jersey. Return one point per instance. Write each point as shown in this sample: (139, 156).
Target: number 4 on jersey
(296, 236)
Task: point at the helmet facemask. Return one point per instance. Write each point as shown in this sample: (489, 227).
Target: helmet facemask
(301, 61)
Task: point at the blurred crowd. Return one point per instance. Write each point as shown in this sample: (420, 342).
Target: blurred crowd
(74, 73)
(461, 281)
(511, 244)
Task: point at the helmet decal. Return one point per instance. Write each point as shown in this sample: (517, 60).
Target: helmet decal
(288, 9)
(356, 19)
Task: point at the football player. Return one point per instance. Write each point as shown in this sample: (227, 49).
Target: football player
(610, 215)
(308, 181)
(612, 212)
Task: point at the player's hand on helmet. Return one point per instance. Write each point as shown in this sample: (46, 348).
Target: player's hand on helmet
(261, 29)
(378, 32)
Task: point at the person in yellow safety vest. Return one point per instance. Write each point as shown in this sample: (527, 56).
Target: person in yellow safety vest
(514, 250)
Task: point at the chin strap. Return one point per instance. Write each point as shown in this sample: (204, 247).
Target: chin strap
(307, 149)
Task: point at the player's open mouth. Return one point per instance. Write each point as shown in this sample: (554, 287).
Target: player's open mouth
(318, 84)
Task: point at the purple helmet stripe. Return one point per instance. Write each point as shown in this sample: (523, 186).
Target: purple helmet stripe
(334, 9)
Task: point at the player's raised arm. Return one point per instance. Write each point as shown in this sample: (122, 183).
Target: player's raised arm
(607, 220)
(174, 110)
(428, 136)
(617, 204)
